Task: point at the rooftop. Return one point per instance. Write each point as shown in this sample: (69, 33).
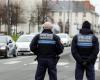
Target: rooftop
(75, 6)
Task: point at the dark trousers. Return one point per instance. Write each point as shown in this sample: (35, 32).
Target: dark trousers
(43, 65)
(79, 72)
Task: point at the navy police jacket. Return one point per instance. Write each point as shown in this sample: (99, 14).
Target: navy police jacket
(46, 44)
(85, 46)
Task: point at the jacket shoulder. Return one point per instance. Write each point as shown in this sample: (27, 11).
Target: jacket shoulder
(75, 37)
(56, 37)
(36, 36)
(95, 38)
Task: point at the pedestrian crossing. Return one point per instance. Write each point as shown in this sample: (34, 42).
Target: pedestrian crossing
(32, 63)
(12, 62)
(29, 60)
(60, 64)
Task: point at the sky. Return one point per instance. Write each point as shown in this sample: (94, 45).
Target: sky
(96, 3)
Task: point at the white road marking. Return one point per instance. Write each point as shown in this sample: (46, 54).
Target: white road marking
(21, 58)
(59, 64)
(97, 64)
(66, 66)
(12, 62)
(14, 59)
(34, 63)
(62, 63)
(25, 64)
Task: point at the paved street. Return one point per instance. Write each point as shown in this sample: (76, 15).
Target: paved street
(24, 67)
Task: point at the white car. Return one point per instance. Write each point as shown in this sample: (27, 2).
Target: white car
(7, 46)
(70, 40)
(23, 44)
(65, 39)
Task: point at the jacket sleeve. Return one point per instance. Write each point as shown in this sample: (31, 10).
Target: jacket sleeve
(74, 50)
(95, 50)
(34, 45)
(59, 45)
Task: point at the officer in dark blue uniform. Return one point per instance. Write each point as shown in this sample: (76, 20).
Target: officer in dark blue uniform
(85, 48)
(47, 47)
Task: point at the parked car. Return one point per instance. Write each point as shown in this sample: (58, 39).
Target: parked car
(23, 44)
(70, 41)
(35, 33)
(7, 46)
(65, 39)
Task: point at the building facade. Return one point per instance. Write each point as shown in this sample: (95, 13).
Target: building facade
(72, 14)
(28, 7)
(69, 14)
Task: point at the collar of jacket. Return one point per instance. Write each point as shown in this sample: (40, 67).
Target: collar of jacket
(47, 31)
(86, 31)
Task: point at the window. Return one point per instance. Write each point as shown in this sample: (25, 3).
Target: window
(60, 13)
(52, 13)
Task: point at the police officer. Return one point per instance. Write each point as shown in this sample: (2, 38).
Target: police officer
(47, 47)
(85, 48)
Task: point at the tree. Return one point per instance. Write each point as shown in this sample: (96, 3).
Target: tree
(16, 12)
(11, 15)
(0, 16)
(42, 12)
(32, 20)
(60, 23)
(67, 27)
